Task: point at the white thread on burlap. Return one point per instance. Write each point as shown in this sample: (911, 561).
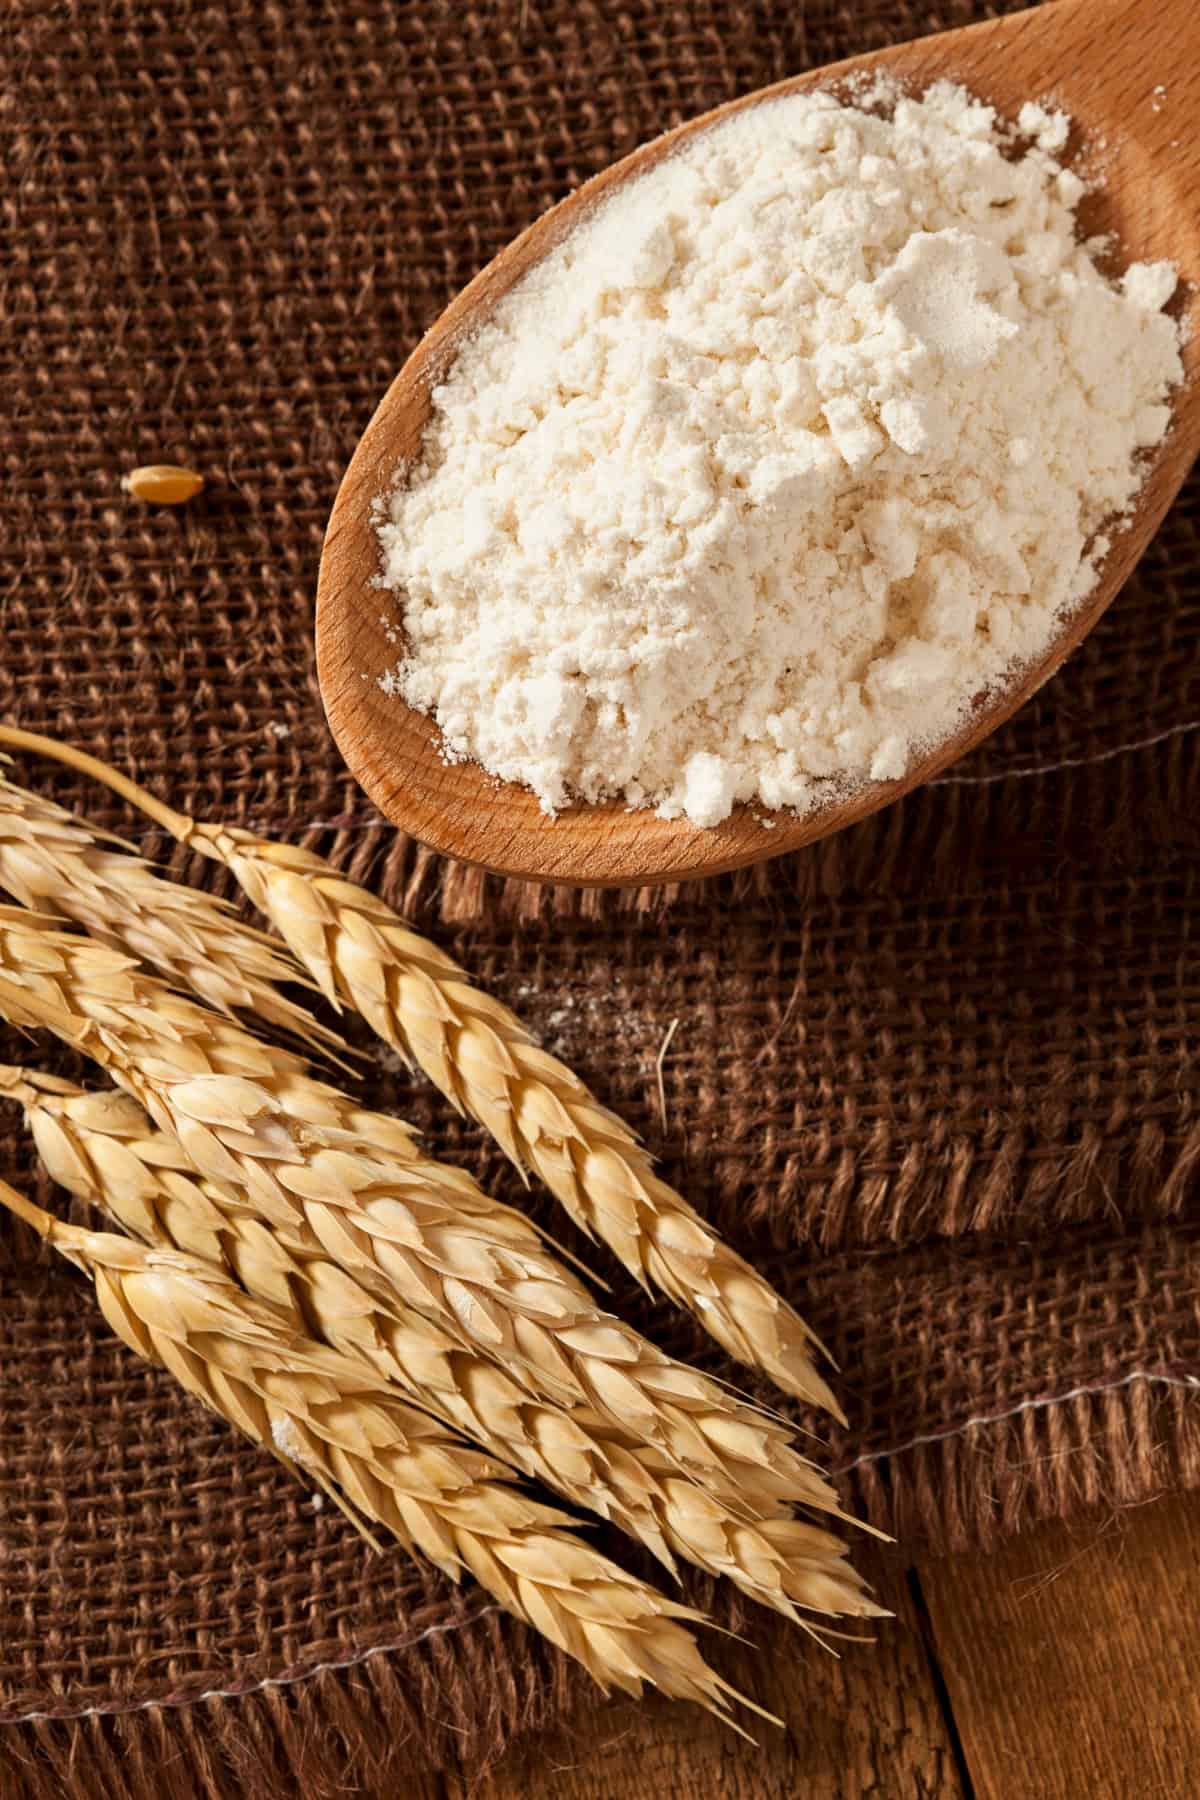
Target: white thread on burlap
(347, 822)
(119, 1709)
(1086, 1391)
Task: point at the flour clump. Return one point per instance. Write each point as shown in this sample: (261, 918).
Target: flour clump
(788, 452)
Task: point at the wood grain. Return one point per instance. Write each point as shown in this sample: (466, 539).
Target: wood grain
(1057, 1668)
(1104, 60)
(1068, 1659)
(869, 1723)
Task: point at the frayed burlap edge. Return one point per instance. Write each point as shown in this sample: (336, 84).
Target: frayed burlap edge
(456, 1697)
(1024, 1172)
(948, 838)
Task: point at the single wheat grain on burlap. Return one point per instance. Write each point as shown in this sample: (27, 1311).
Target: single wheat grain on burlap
(938, 1075)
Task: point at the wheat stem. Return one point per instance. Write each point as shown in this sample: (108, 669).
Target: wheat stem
(387, 1462)
(54, 863)
(478, 1053)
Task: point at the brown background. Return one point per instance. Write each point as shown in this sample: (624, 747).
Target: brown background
(938, 1074)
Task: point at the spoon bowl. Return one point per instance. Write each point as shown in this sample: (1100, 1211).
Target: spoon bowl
(1130, 79)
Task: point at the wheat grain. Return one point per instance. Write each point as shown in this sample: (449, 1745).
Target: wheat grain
(481, 1057)
(53, 863)
(388, 1463)
(402, 1225)
(101, 1148)
(163, 484)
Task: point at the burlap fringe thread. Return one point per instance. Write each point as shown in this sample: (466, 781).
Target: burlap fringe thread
(419, 1705)
(370, 1724)
(1012, 1169)
(362, 1729)
(1104, 810)
(923, 844)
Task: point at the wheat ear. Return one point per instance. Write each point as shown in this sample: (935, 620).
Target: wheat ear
(53, 863)
(479, 1054)
(100, 1147)
(303, 1155)
(389, 1464)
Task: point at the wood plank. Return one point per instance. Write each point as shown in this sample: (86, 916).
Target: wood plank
(867, 1724)
(1066, 1657)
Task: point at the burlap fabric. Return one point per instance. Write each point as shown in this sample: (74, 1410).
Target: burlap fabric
(937, 1073)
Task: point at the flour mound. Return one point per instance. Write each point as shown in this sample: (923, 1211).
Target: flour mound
(788, 452)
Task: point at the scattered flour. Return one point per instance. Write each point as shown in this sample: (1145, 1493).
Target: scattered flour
(575, 1025)
(287, 1439)
(288, 1442)
(785, 455)
(1048, 130)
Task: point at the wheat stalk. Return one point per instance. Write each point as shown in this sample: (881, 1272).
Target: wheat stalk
(53, 863)
(386, 1462)
(100, 1147)
(403, 1226)
(478, 1053)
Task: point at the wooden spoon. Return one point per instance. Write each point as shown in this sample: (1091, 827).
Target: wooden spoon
(1129, 75)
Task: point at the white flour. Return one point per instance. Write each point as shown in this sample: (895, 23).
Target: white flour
(287, 1440)
(779, 460)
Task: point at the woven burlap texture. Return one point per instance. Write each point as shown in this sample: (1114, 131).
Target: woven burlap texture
(938, 1074)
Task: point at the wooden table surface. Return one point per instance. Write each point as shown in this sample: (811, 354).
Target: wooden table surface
(1059, 1668)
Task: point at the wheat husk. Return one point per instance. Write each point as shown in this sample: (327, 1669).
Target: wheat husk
(387, 1463)
(52, 863)
(100, 1147)
(306, 1160)
(478, 1053)
(484, 1060)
